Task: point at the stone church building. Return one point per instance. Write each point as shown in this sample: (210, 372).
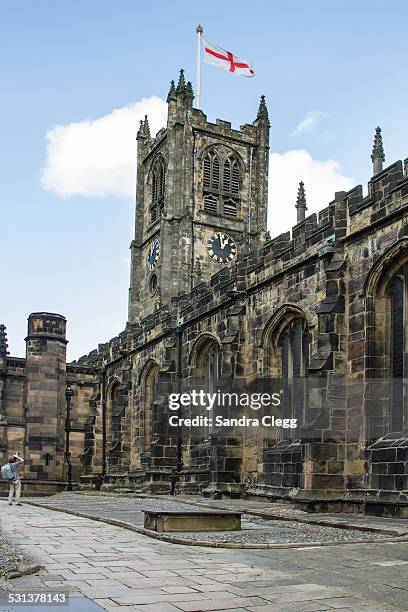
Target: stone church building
(319, 313)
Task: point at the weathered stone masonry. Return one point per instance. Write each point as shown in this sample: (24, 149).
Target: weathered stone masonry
(325, 303)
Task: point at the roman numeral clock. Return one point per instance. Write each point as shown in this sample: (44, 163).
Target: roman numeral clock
(221, 248)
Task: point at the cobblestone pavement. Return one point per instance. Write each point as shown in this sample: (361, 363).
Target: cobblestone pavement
(117, 568)
(254, 531)
(10, 559)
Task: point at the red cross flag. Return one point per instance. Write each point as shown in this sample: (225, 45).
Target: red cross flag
(225, 59)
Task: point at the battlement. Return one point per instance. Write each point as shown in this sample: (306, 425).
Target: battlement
(316, 238)
(247, 133)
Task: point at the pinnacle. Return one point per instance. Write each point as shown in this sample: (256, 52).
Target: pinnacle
(189, 90)
(301, 202)
(172, 92)
(181, 85)
(140, 130)
(301, 196)
(146, 127)
(262, 110)
(378, 148)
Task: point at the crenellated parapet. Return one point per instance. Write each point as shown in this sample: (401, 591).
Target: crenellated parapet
(311, 243)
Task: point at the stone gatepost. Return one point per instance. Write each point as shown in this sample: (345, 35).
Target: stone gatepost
(45, 403)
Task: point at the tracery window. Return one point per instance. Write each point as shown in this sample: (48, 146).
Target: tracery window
(211, 369)
(397, 294)
(149, 397)
(211, 375)
(206, 372)
(116, 413)
(158, 185)
(385, 394)
(293, 345)
(115, 407)
(221, 190)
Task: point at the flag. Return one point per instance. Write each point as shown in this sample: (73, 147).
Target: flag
(225, 59)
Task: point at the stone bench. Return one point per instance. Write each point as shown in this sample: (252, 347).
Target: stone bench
(197, 520)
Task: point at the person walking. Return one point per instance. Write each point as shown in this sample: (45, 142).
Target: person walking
(15, 483)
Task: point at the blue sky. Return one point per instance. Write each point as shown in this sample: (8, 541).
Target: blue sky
(338, 70)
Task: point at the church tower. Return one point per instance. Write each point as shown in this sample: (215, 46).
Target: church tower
(201, 199)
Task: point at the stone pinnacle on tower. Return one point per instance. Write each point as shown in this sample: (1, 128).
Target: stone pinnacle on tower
(146, 127)
(140, 131)
(181, 85)
(378, 156)
(172, 92)
(189, 90)
(301, 203)
(3, 341)
(262, 110)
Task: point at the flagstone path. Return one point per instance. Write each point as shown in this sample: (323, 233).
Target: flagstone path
(116, 568)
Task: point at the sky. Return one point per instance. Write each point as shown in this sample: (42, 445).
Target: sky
(76, 78)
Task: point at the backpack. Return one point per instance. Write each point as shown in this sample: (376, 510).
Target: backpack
(6, 472)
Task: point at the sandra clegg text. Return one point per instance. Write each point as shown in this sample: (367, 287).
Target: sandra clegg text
(218, 400)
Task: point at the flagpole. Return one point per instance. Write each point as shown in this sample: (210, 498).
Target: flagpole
(199, 31)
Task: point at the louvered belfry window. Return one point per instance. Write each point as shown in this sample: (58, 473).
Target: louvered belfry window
(221, 191)
(230, 208)
(212, 171)
(231, 176)
(211, 204)
(230, 186)
(158, 184)
(211, 183)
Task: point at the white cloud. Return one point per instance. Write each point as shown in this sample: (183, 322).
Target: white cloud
(97, 157)
(286, 170)
(308, 122)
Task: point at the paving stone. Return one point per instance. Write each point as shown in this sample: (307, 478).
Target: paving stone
(344, 602)
(228, 603)
(164, 607)
(299, 607)
(215, 577)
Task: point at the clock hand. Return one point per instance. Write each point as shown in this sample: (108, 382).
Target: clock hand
(223, 242)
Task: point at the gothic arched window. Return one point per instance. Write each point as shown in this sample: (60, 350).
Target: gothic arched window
(211, 363)
(150, 392)
(158, 185)
(114, 423)
(206, 370)
(116, 409)
(293, 345)
(385, 394)
(211, 368)
(221, 189)
(397, 294)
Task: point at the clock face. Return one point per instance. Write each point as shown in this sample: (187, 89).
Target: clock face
(221, 248)
(154, 254)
